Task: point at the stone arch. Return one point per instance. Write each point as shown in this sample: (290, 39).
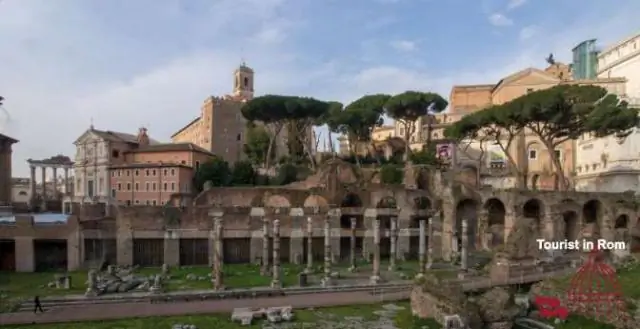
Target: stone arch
(495, 225)
(350, 200)
(387, 202)
(591, 216)
(622, 221)
(315, 200)
(534, 208)
(466, 209)
(277, 201)
(571, 223)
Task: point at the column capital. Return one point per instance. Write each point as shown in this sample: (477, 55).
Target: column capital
(371, 213)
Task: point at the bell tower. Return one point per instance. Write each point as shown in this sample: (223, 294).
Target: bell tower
(243, 82)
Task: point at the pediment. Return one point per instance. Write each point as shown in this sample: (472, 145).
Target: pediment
(530, 76)
(87, 136)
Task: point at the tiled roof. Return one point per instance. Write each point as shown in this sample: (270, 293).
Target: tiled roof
(168, 147)
(5, 137)
(115, 136)
(149, 165)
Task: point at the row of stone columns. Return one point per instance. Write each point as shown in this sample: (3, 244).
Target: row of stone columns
(44, 182)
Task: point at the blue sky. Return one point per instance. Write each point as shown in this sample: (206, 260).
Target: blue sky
(124, 63)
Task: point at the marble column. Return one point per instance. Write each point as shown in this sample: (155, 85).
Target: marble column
(275, 281)
(430, 243)
(422, 245)
(393, 239)
(464, 254)
(55, 182)
(309, 268)
(265, 247)
(33, 186)
(218, 283)
(375, 276)
(327, 251)
(66, 181)
(44, 188)
(352, 255)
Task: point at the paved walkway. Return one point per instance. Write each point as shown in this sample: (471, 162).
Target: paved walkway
(134, 310)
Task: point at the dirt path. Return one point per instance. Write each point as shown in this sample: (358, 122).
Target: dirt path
(134, 310)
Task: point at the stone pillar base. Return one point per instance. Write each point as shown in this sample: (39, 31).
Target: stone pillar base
(375, 279)
(327, 282)
(275, 284)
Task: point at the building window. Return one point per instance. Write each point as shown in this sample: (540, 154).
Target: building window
(164, 172)
(136, 186)
(128, 173)
(173, 172)
(113, 193)
(529, 90)
(153, 186)
(146, 186)
(533, 154)
(113, 174)
(137, 201)
(137, 172)
(119, 187)
(128, 202)
(558, 154)
(197, 165)
(183, 162)
(119, 173)
(153, 202)
(173, 187)
(153, 172)
(128, 186)
(146, 202)
(239, 137)
(147, 172)
(115, 153)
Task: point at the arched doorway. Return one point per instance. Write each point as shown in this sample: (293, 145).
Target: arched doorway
(534, 209)
(571, 225)
(466, 209)
(591, 214)
(496, 220)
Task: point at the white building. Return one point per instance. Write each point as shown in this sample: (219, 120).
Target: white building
(608, 164)
(96, 150)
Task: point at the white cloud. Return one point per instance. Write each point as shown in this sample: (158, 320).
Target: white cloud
(497, 19)
(404, 45)
(528, 32)
(513, 4)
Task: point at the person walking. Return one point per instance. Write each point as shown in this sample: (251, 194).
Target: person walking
(37, 305)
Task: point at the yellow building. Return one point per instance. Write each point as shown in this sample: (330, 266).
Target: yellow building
(379, 137)
(220, 127)
(527, 151)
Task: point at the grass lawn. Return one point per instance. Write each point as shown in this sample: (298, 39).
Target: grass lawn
(403, 320)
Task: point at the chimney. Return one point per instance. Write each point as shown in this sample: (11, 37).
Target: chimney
(143, 138)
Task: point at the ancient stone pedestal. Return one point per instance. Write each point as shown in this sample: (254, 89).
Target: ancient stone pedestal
(352, 255)
(393, 237)
(422, 246)
(92, 278)
(327, 252)
(375, 276)
(264, 270)
(275, 281)
(218, 283)
(309, 268)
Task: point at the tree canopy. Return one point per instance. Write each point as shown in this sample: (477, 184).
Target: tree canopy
(554, 115)
(409, 106)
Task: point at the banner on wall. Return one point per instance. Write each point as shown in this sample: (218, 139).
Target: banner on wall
(445, 152)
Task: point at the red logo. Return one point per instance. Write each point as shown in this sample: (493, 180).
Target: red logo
(593, 292)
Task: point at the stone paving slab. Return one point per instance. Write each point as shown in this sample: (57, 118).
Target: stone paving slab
(77, 313)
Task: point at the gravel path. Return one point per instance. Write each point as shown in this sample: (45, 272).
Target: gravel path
(134, 310)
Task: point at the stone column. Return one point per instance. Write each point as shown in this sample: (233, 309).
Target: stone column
(265, 247)
(464, 254)
(171, 247)
(393, 239)
(55, 182)
(44, 188)
(430, 243)
(375, 276)
(218, 263)
(275, 281)
(327, 250)
(33, 186)
(422, 246)
(352, 255)
(309, 268)
(66, 181)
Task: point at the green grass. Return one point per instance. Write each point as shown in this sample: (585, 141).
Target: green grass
(403, 320)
